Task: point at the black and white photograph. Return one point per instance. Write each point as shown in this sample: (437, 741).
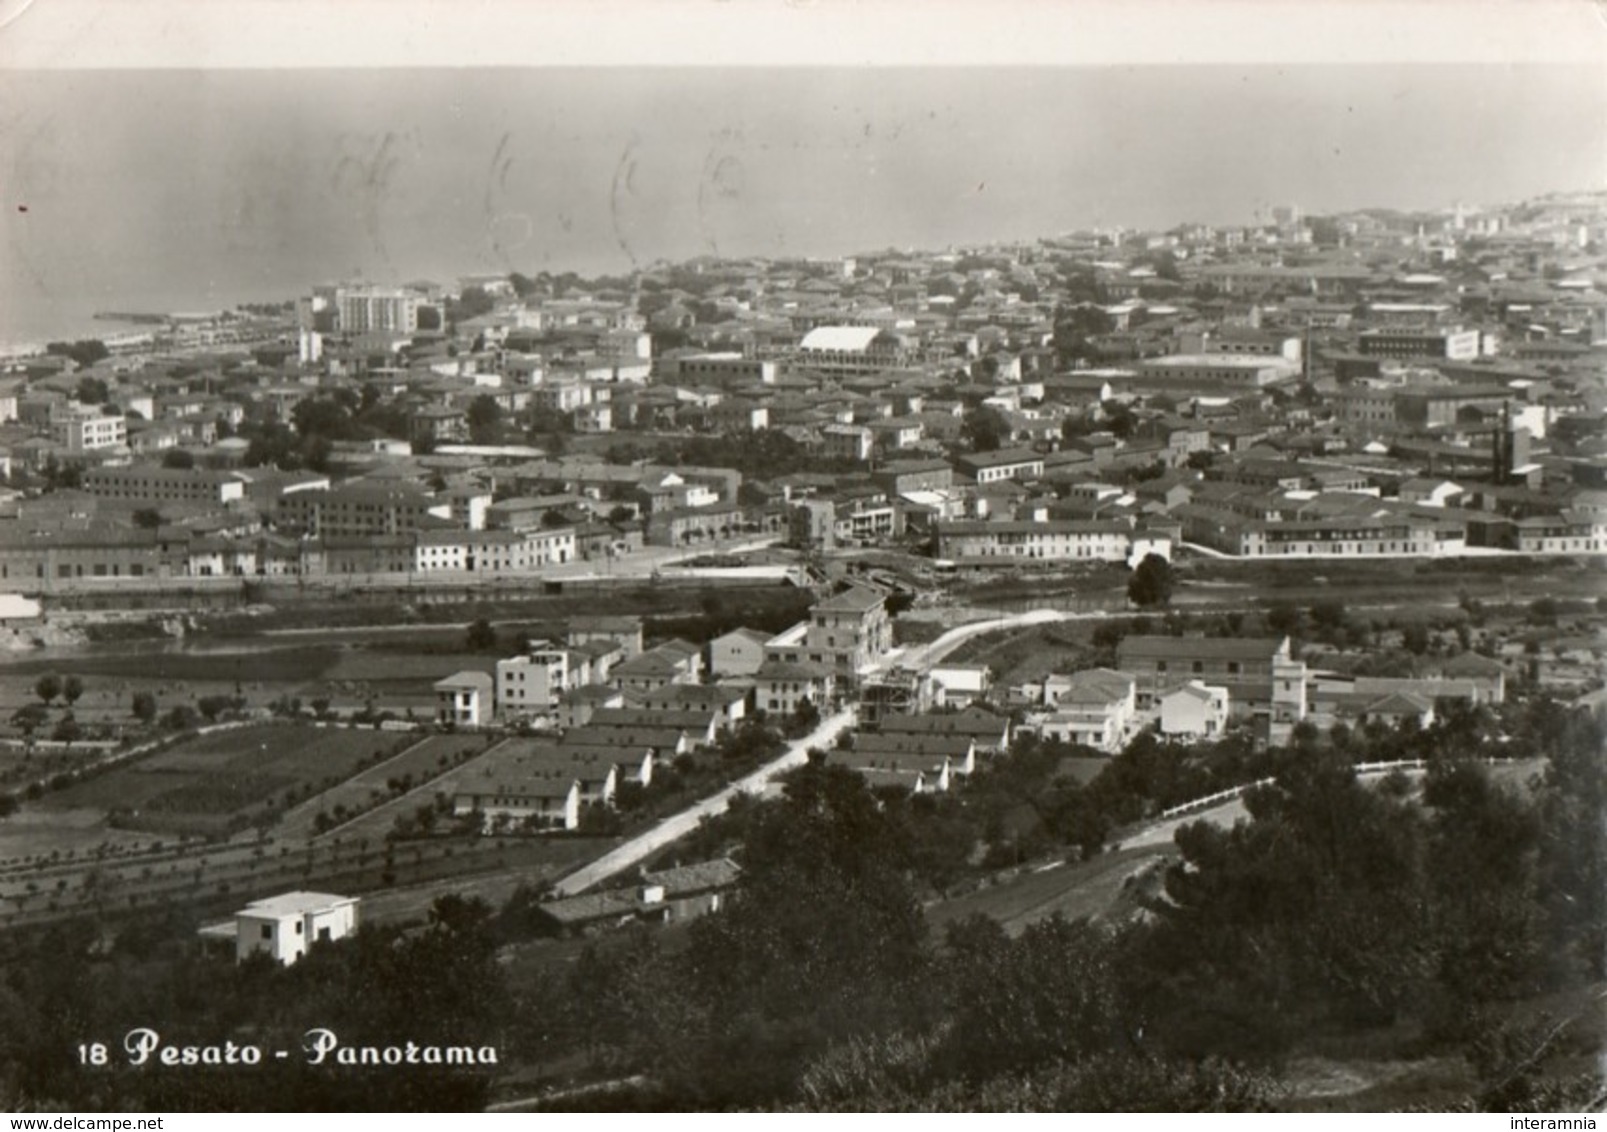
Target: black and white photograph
(799, 556)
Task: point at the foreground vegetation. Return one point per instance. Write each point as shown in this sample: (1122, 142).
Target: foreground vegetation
(1408, 922)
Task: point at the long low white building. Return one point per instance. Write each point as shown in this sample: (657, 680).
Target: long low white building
(1213, 371)
(1385, 534)
(492, 552)
(1050, 540)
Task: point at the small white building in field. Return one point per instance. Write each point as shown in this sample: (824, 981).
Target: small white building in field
(283, 927)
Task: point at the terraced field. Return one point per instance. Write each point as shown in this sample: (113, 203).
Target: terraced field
(227, 779)
(414, 768)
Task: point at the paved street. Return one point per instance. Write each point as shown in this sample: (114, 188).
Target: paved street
(921, 657)
(679, 825)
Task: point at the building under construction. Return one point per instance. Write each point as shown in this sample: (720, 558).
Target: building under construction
(898, 691)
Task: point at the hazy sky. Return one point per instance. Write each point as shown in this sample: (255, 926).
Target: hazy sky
(191, 188)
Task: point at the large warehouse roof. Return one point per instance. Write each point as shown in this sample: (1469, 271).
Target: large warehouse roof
(839, 338)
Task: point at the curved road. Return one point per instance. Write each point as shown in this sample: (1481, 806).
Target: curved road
(1227, 813)
(924, 656)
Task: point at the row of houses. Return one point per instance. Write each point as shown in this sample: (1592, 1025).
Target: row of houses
(809, 663)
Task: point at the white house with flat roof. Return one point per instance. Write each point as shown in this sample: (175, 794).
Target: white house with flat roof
(284, 926)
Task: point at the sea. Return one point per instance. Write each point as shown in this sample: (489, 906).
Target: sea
(195, 190)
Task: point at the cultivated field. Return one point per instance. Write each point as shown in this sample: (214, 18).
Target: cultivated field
(377, 822)
(215, 879)
(415, 767)
(227, 779)
(39, 835)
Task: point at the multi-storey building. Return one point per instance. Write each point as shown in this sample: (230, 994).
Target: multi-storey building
(359, 509)
(841, 350)
(721, 370)
(681, 526)
(1443, 407)
(1003, 464)
(1381, 535)
(492, 552)
(1406, 342)
(1095, 708)
(44, 560)
(1571, 532)
(781, 687)
(149, 483)
(364, 310)
(534, 682)
(1213, 373)
(465, 699)
(1262, 679)
(88, 430)
(1054, 540)
(1381, 532)
(845, 633)
(847, 442)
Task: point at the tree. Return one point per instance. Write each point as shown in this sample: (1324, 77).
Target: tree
(147, 518)
(144, 707)
(91, 391)
(1313, 909)
(1151, 583)
(85, 352)
(1284, 619)
(823, 941)
(58, 475)
(984, 429)
(1075, 325)
(472, 303)
(805, 718)
(179, 717)
(481, 636)
(1573, 849)
(1046, 997)
(1489, 914)
(47, 687)
(329, 417)
(485, 419)
(28, 717)
(1324, 230)
(1121, 419)
(1165, 264)
(72, 688)
(1415, 638)
(180, 458)
(1328, 615)
(214, 706)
